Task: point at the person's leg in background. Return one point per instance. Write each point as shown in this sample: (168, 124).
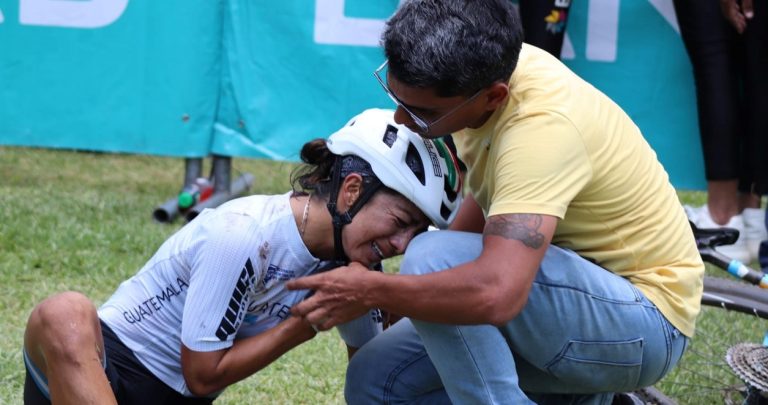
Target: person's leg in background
(713, 49)
(755, 40)
(763, 256)
(544, 23)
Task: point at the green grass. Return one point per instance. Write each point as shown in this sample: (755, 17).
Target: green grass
(82, 221)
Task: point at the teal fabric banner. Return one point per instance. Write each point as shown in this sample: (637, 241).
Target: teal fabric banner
(632, 51)
(251, 78)
(290, 76)
(110, 75)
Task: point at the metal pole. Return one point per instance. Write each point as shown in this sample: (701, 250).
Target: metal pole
(193, 168)
(222, 173)
(169, 210)
(239, 187)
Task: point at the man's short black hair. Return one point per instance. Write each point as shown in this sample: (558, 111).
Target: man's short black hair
(455, 47)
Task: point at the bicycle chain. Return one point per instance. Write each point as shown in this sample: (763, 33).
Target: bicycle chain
(749, 361)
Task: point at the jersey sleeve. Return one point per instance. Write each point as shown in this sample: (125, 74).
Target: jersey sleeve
(541, 165)
(222, 275)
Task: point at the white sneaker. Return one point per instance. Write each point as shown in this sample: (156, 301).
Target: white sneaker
(739, 250)
(754, 229)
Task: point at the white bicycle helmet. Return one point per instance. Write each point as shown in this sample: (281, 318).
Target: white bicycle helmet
(424, 171)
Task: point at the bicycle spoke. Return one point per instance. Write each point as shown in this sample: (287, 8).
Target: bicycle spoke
(703, 375)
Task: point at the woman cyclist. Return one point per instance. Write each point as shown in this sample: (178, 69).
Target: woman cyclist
(210, 308)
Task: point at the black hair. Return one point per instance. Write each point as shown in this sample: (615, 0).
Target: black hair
(315, 175)
(455, 47)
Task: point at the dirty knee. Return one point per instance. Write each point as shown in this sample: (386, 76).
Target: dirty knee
(65, 324)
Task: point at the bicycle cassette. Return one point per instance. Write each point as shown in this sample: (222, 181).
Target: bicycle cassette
(749, 361)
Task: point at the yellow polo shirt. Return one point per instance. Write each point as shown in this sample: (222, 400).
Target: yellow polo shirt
(560, 147)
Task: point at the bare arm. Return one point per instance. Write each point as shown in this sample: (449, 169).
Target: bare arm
(470, 217)
(208, 372)
(491, 289)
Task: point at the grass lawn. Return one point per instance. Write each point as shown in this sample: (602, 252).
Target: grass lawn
(82, 221)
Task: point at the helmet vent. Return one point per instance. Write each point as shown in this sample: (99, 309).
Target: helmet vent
(390, 136)
(414, 162)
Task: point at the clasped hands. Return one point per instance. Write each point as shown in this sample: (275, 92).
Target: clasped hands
(339, 296)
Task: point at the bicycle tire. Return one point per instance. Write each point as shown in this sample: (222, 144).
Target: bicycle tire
(732, 312)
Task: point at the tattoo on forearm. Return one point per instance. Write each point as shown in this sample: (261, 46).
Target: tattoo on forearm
(522, 227)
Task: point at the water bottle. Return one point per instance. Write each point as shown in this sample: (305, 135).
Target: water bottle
(198, 191)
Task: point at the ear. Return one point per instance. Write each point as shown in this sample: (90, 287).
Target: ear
(350, 191)
(497, 93)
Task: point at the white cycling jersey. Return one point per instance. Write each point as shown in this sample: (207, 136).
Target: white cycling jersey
(219, 278)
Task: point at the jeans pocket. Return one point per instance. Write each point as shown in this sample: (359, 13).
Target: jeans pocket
(599, 366)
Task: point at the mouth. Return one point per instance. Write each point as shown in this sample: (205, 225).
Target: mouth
(377, 250)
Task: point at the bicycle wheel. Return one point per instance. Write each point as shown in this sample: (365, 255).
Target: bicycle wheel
(732, 312)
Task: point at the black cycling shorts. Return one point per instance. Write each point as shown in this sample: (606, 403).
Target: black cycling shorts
(132, 383)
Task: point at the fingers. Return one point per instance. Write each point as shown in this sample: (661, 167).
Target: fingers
(313, 311)
(304, 307)
(305, 283)
(318, 317)
(324, 311)
(319, 320)
(737, 20)
(732, 13)
(740, 24)
(333, 297)
(747, 9)
(322, 325)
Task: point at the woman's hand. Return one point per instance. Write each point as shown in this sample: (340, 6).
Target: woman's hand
(737, 13)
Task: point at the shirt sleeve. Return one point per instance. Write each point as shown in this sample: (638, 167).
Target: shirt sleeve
(222, 278)
(540, 165)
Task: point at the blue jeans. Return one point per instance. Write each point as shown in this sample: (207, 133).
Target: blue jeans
(584, 334)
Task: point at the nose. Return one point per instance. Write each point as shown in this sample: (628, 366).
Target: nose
(400, 240)
(402, 117)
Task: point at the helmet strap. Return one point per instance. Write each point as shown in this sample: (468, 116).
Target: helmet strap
(340, 220)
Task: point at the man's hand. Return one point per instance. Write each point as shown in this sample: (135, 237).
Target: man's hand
(338, 297)
(737, 14)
